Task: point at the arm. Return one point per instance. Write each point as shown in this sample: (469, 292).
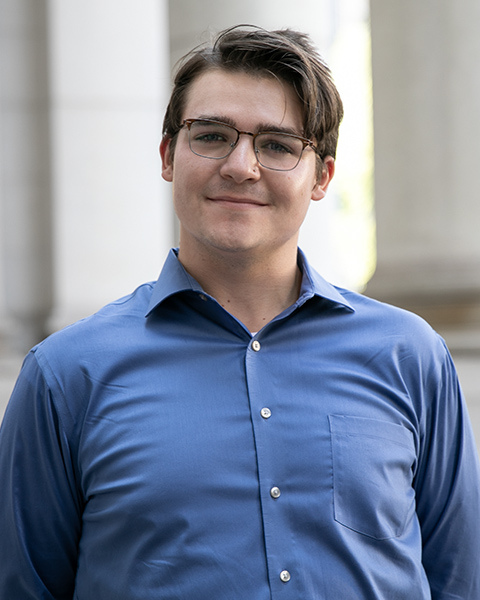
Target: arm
(40, 517)
(448, 494)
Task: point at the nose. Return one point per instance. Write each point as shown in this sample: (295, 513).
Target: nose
(241, 164)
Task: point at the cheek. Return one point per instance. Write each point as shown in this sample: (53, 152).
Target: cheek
(300, 195)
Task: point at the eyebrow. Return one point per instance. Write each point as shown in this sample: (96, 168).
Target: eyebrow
(261, 127)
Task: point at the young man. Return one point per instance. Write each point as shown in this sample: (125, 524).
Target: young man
(241, 429)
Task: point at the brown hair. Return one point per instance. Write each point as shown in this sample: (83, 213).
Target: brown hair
(285, 54)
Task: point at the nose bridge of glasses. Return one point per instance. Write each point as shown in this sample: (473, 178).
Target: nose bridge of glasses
(252, 145)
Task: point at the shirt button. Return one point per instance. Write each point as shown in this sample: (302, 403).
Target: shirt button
(266, 413)
(256, 345)
(285, 576)
(275, 492)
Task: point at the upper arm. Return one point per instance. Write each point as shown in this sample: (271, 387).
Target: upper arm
(448, 493)
(40, 520)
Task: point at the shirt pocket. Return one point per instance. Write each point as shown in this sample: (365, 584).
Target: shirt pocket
(372, 475)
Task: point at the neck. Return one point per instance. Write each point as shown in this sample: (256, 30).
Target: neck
(254, 291)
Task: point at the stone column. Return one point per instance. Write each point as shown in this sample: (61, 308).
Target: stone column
(113, 215)
(191, 21)
(25, 169)
(426, 91)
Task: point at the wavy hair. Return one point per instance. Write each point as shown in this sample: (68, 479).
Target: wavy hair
(284, 54)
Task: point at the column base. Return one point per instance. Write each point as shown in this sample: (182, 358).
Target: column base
(446, 296)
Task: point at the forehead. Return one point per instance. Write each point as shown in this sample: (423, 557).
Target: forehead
(247, 100)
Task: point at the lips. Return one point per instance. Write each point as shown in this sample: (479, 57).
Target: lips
(238, 201)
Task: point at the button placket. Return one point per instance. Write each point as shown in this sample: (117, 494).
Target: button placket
(273, 510)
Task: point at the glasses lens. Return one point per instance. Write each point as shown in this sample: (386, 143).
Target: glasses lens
(278, 151)
(211, 140)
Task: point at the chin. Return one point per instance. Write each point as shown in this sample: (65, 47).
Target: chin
(231, 246)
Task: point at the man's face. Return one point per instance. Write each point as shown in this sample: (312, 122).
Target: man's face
(234, 204)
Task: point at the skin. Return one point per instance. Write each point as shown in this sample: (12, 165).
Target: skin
(239, 222)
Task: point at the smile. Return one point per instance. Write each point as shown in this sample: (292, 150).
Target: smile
(237, 202)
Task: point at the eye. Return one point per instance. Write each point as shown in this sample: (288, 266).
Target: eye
(204, 133)
(277, 147)
(275, 144)
(209, 137)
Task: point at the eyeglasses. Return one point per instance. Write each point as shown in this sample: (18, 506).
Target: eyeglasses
(274, 150)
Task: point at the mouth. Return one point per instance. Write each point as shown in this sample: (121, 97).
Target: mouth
(237, 201)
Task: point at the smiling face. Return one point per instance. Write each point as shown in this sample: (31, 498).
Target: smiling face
(234, 204)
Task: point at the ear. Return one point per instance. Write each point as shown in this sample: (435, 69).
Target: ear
(167, 162)
(321, 186)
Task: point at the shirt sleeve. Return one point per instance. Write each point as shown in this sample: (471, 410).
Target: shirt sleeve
(40, 517)
(448, 492)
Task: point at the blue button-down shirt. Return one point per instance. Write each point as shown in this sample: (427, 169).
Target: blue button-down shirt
(157, 450)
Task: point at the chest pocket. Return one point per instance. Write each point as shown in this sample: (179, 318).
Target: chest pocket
(372, 475)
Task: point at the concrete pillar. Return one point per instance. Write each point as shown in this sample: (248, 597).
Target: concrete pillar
(110, 85)
(426, 96)
(26, 233)
(191, 21)
(426, 91)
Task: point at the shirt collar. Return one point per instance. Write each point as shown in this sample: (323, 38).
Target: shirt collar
(174, 279)
(314, 284)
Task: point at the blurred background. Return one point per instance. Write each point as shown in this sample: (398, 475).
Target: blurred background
(85, 216)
